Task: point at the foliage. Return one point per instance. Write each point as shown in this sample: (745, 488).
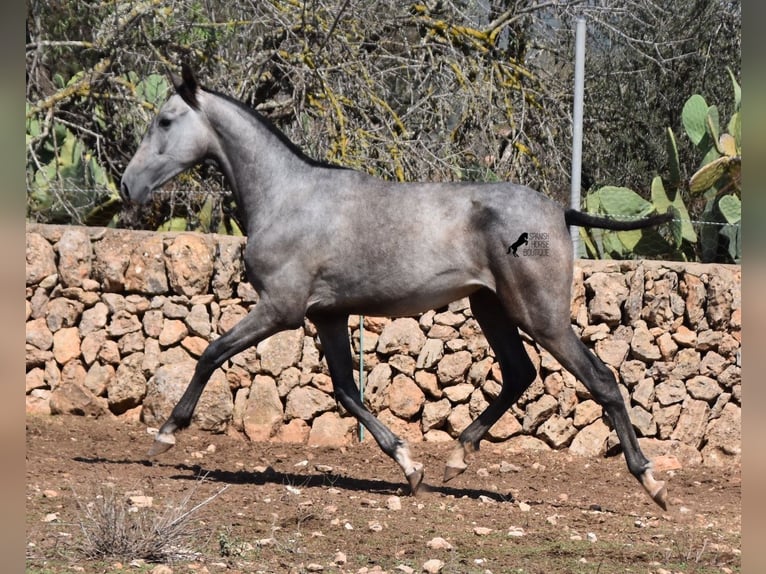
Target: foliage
(715, 185)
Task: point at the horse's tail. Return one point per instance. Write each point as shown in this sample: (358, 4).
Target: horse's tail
(574, 217)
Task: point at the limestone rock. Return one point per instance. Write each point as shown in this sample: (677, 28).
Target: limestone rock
(401, 336)
(306, 403)
(127, 389)
(145, 272)
(591, 440)
(609, 293)
(453, 367)
(169, 382)
(405, 399)
(75, 256)
(189, 260)
(41, 259)
(330, 429)
(281, 351)
(263, 415)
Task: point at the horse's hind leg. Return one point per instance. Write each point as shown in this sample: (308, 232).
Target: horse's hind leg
(333, 332)
(564, 345)
(518, 373)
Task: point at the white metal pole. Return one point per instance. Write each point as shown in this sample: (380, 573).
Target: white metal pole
(579, 90)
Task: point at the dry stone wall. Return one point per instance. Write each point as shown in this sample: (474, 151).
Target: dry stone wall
(115, 321)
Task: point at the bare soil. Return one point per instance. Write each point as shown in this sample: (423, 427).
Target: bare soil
(293, 509)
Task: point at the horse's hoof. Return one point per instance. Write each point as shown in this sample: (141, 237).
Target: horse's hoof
(415, 478)
(451, 472)
(660, 496)
(162, 443)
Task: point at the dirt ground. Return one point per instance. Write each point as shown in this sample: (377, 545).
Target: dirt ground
(278, 508)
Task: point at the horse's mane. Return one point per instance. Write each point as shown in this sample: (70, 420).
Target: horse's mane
(274, 130)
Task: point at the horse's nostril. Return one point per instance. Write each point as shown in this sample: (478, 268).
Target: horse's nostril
(124, 191)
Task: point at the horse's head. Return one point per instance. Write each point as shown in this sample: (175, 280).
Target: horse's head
(178, 138)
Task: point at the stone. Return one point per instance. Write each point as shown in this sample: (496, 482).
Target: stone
(263, 415)
(667, 346)
(376, 387)
(173, 332)
(40, 259)
(666, 419)
(632, 371)
(331, 430)
(719, 299)
(459, 393)
(612, 351)
(539, 411)
(587, 412)
(280, 351)
(642, 344)
(122, 323)
(306, 403)
(407, 430)
(62, 312)
(643, 393)
(523, 443)
(609, 293)
(695, 295)
(557, 431)
(128, 387)
(403, 364)
(687, 363)
(712, 364)
(402, 335)
(296, 431)
(66, 345)
(724, 438)
(430, 354)
(189, 262)
(458, 420)
(75, 254)
(71, 398)
(145, 272)
(685, 337)
(642, 421)
(703, 388)
(506, 427)
(227, 267)
(453, 367)
(98, 378)
(38, 334)
(94, 319)
(434, 414)
(591, 440)
(167, 385)
(692, 423)
(198, 321)
(35, 379)
(429, 384)
(405, 398)
(670, 392)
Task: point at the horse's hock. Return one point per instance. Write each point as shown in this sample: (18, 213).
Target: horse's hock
(115, 321)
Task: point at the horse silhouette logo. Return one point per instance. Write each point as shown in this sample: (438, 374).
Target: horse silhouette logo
(522, 240)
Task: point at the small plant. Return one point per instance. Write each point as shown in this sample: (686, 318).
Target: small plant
(717, 183)
(113, 528)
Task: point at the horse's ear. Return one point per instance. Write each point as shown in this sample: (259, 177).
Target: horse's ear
(186, 86)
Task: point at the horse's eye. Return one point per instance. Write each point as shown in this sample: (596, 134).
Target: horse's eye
(164, 123)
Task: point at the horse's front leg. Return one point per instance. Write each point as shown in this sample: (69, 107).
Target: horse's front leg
(262, 322)
(333, 332)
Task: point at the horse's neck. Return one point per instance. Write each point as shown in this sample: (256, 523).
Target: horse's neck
(256, 161)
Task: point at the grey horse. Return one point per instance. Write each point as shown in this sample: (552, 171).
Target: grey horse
(324, 242)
